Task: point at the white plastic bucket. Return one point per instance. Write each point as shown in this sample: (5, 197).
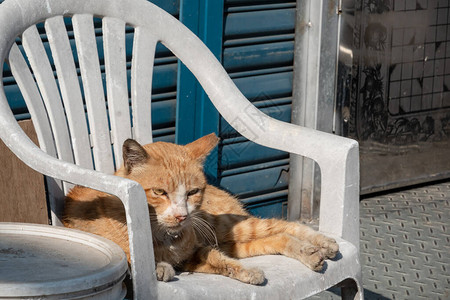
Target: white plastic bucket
(47, 262)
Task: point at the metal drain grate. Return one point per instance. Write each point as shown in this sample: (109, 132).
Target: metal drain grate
(405, 245)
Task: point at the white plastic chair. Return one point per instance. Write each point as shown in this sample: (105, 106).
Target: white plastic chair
(58, 115)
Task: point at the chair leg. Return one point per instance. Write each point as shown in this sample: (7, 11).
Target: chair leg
(351, 291)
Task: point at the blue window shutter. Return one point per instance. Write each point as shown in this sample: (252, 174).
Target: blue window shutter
(258, 50)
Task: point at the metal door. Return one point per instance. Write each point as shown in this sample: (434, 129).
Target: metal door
(394, 89)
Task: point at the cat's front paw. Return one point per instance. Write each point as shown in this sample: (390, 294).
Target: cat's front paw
(328, 246)
(252, 276)
(164, 271)
(312, 257)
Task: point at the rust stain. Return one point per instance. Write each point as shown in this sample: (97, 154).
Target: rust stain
(302, 27)
(332, 8)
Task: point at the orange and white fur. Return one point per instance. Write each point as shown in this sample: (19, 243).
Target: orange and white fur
(196, 227)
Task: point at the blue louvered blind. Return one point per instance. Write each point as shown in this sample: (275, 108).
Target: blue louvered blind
(258, 46)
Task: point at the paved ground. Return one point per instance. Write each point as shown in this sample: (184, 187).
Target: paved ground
(405, 244)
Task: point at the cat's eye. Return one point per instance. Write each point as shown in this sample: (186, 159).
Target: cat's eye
(159, 192)
(193, 192)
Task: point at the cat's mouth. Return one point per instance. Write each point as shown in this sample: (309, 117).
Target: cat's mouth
(176, 227)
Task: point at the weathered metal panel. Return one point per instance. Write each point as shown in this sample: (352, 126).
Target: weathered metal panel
(395, 97)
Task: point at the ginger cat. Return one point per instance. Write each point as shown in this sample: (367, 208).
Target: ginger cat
(196, 227)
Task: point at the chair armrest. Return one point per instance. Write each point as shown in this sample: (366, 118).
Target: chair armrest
(129, 192)
(338, 159)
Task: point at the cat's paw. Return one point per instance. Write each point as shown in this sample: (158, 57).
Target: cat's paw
(329, 247)
(252, 276)
(315, 261)
(312, 257)
(164, 271)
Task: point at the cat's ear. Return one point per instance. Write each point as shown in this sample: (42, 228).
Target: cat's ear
(200, 148)
(133, 155)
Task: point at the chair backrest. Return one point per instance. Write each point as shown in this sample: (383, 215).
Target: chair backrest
(75, 120)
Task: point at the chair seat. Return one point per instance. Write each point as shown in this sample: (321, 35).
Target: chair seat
(56, 263)
(286, 279)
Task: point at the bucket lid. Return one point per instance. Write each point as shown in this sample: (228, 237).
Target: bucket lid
(38, 260)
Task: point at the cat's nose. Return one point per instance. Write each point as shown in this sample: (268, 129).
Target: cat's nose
(180, 218)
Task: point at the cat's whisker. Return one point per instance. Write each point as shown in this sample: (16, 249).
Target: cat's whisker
(197, 226)
(205, 229)
(200, 230)
(206, 223)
